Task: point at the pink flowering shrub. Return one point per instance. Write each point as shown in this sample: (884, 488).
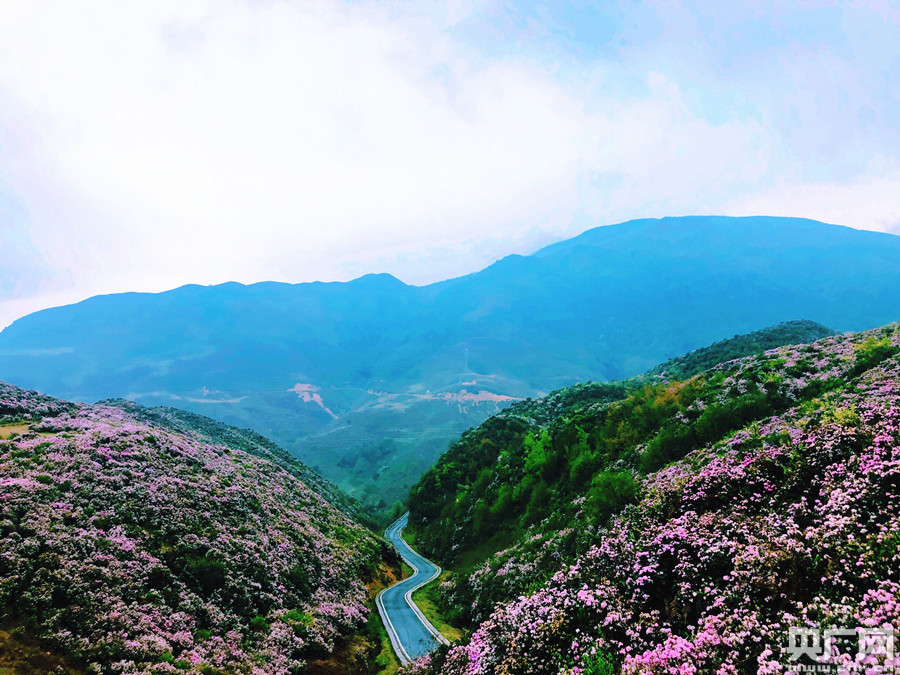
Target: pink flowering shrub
(19, 405)
(792, 521)
(136, 549)
(535, 461)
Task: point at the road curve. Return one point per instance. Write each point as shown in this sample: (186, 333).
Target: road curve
(411, 634)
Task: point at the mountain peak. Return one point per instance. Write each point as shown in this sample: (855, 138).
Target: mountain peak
(379, 280)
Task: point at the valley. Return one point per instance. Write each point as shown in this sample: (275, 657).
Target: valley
(369, 381)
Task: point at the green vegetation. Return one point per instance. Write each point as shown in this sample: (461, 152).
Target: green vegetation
(598, 663)
(775, 506)
(580, 452)
(513, 472)
(258, 624)
(383, 661)
(786, 333)
(872, 352)
(386, 662)
(436, 610)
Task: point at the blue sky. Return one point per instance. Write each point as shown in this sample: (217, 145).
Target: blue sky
(144, 147)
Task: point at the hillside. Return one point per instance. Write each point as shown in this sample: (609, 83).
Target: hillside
(368, 381)
(786, 333)
(149, 541)
(756, 496)
(537, 458)
(212, 431)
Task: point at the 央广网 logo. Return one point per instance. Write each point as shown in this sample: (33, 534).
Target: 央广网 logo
(831, 650)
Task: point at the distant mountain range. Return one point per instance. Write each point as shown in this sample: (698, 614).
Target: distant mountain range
(369, 380)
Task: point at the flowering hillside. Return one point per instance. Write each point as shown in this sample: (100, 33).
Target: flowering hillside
(218, 433)
(786, 333)
(790, 519)
(132, 548)
(532, 461)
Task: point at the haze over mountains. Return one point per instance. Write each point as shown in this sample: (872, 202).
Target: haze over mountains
(369, 380)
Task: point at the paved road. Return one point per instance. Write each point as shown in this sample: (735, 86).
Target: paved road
(412, 635)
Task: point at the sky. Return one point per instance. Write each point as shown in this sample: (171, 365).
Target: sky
(148, 145)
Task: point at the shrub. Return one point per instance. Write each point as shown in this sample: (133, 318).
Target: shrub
(207, 571)
(872, 352)
(610, 492)
(599, 663)
(258, 624)
(298, 577)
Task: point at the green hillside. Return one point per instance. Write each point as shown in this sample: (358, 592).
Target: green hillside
(786, 333)
(534, 460)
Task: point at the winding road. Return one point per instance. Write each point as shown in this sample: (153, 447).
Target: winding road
(411, 634)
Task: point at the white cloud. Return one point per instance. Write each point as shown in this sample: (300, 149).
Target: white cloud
(869, 200)
(268, 135)
(154, 144)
